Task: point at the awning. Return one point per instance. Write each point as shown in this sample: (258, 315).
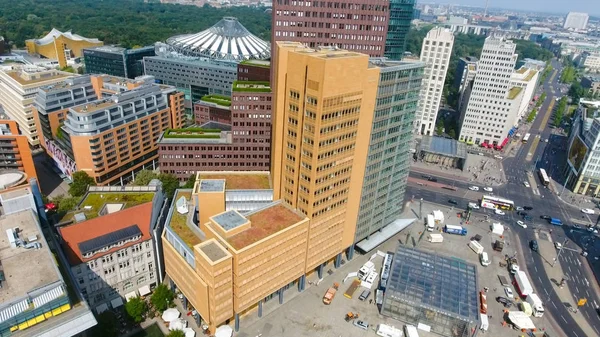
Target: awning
(385, 233)
(117, 302)
(130, 295)
(48, 296)
(101, 308)
(145, 290)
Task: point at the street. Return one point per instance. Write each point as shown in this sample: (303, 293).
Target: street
(535, 154)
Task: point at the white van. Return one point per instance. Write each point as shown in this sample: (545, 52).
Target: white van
(484, 259)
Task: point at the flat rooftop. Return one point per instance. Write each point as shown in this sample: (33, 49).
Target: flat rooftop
(213, 251)
(94, 106)
(209, 185)
(230, 220)
(15, 75)
(258, 63)
(223, 101)
(193, 133)
(103, 202)
(24, 269)
(264, 223)
(514, 92)
(251, 86)
(178, 222)
(240, 181)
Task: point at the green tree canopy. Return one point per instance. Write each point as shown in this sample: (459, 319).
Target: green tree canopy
(80, 184)
(136, 309)
(176, 333)
(143, 177)
(190, 182)
(162, 298)
(107, 325)
(169, 183)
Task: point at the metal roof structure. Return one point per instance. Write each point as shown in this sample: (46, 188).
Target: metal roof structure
(226, 40)
(230, 220)
(444, 146)
(109, 239)
(208, 185)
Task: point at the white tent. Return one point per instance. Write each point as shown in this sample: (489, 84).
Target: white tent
(497, 228)
(485, 323)
(224, 331)
(170, 315)
(521, 320)
(178, 324)
(189, 332)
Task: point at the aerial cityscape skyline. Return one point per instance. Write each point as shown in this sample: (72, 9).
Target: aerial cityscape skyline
(542, 6)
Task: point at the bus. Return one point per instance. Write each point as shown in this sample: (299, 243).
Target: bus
(526, 137)
(543, 177)
(497, 203)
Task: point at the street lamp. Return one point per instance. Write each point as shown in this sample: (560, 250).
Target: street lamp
(560, 251)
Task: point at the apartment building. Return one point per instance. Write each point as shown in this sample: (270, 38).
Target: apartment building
(63, 47)
(435, 53)
(110, 244)
(18, 87)
(106, 126)
(401, 15)
(493, 103)
(15, 155)
(116, 61)
(526, 79)
(389, 157)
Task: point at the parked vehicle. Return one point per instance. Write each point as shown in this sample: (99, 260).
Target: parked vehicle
(361, 324)
(508, 292)
(330, 294)
(505, 301)
(365, 270)
(473, 205)
(385, 330)
(522, 283)
(588, 211)
(528, 208)
(453, 229)
(352, 288)
(499, 212)
(350, 316)
(476, 247)
(410, 331)
(498, 245)
(536, 305)
(435, 238)
(484, 259)
(430, 223)
(364, 295)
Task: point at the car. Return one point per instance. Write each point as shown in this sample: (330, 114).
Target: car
(361, 324)
(521, 223)
(584, 253)
(558, 245)
(587, 211)
(545, 140)
(527, 208)
(452, 201)
(527, 218)
(534, 245)
(474, 188)
(576, 226)
(473, 205)
(505, 301)
(481, 154)
(520, 209)
(498, 157)
(488, 189)
(526, 184)
(432, 179)
(508, 292)
(499, 212)
(545, 217)
(426, 176)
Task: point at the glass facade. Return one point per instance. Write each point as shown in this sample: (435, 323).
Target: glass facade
(116, 61)
(389, 157)
(434, 290)
(401, 14)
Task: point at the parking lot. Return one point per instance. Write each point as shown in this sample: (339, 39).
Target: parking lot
(304, 314)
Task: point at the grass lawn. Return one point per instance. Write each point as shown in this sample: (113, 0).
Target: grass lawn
(151, 331)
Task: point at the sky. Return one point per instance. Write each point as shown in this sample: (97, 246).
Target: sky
(557, 6)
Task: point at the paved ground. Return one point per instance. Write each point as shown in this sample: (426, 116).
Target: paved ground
(50, 183)
(481, 170)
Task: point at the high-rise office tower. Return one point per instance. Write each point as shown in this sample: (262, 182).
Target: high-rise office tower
(389, 158)
(352, 25)
(435, 53)
(493, 103)
(576, 20)
(324, 103)
(401, 14)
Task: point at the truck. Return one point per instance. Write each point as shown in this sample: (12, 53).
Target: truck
(522, 284)
(366, 269)
(537, 306)
(498, 245)
(330, 294)
(435, 238)
(352, 288)
(555, 222)
(430, 223)
(453, 229)
(385, 330)
(513, 266)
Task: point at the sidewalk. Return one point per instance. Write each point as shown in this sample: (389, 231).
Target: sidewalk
(572, 199)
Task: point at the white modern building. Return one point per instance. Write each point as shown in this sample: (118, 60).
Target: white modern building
(18, 87)
(590, 61)
(435, 53)
(493, 103)
(526, 79)
(576, 20)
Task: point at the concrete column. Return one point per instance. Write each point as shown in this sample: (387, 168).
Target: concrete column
(121, 180)
(320, 271)
(350, 252)
(281, 296)
(301, 283)
(237, 322)
(132, 176)
(260, 308)
(153, 164)
(338, 260)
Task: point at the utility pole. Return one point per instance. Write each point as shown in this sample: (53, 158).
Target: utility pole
(560, 251)
(421, 209)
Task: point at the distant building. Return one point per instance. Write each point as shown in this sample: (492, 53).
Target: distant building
(107, 126)
(590, 61)
(577, 21)
(400, 18)
(435, 53)
(591, 83)
(463, 79)
(18, 85)
(60, 46)
(110, 245)
(533, 64)
(15, 156)
(35, 299)
(116, 61)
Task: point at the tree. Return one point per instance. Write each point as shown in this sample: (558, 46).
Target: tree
(136, 309)
(576, 91)
(190, 182)
(67, 204)
(143, 177)
(439, 127)
(176, 333)
(107, 325)
(169, 183)
(80, 184)
(162, 298)
(452, 133)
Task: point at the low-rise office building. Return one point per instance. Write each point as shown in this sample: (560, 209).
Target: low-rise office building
(590, 61)
(109, 241)
(18, 87)
(107, 126)
(116, 61)
(16, 162)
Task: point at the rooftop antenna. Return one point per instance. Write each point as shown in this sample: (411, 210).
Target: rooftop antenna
(486, 8)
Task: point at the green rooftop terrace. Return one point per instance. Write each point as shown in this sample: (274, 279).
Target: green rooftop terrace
(257, 63)
(193, 133)
(93, 203)
(217, 99)
(251, 86)
(178, 223)
(514, 92)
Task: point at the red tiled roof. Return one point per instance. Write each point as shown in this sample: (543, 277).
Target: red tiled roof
(80, 232)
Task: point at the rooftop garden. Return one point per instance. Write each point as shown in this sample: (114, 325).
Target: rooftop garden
(217, 99)
(242, 181)
(257, 63)
(193, 133)
(530, 75)
(93, 202)
(514, 92)
(251, 86)
(179, 223)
